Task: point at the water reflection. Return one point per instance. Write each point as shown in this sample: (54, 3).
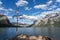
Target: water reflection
(44, 31)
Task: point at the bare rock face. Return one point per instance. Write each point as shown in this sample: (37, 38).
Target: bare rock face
(50, 20)
(4, 19)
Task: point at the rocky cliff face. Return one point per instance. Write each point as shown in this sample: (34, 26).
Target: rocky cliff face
(52, 19)
(4, 19)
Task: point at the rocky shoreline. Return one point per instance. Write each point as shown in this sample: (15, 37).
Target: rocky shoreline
(25, 37)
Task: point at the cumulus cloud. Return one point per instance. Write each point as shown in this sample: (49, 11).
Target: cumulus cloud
(43, 14)
(9, 17)
(29, 17)
(1, 8)
(57, 0)
(5, 11)
(10, 9)
(52, 7)
(43, 6)
(1, 3)
(58, 10)
(21, 3)
(48, 3)
(40, 6)
(46, 6)
(27, 8)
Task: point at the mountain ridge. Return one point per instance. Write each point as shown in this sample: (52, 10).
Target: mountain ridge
(52, 20)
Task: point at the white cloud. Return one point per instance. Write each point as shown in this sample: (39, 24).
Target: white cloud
(1, 8)
(9, 17)
(6, 11)
(36, 13)
(10, 9)
(57, 0)
(29, 17)
(43, 6)
(48, 3)
(27, 8)
(1, 3)
(43, 14)
(21, 3)
(40, 16)
(58, 9)
(52, 7)
(40, 6)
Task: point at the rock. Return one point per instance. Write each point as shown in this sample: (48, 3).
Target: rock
(44, 38)
(32, 38)
(22, 37)
(25, 37)
(39, 38)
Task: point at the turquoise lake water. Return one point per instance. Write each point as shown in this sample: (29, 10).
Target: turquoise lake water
(10, 32)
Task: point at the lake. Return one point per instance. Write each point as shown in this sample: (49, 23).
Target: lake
(10, 32)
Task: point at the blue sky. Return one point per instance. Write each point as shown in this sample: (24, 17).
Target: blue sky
(30, 8)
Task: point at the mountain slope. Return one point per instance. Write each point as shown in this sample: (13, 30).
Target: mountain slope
(50, 20)
(4, 21)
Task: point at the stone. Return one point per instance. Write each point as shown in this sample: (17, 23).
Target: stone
(32, 38)
(22, 37)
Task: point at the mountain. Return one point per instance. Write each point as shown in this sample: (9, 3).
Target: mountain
(21, 24)
(4, 21)
(52, 19)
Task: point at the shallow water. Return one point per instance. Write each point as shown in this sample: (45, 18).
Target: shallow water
(54, 32)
